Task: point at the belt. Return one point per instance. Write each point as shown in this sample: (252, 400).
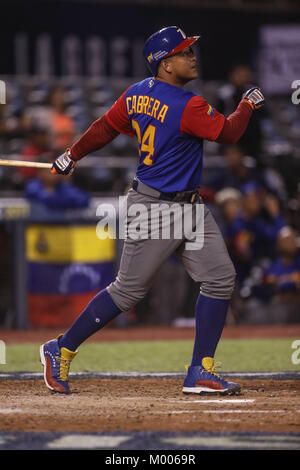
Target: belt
(180, 196)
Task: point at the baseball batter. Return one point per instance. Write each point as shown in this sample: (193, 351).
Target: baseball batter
(170, 125)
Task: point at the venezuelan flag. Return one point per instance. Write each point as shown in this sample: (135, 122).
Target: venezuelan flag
(67, 266)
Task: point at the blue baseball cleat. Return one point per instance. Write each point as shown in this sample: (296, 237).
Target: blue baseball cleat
(56, 362)
(203, 379)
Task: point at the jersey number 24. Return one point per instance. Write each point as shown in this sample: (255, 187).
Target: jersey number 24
(146, 141)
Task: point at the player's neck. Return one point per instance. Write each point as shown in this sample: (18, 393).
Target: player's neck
(172, 81)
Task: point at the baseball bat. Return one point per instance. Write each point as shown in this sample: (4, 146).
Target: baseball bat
(24, 163)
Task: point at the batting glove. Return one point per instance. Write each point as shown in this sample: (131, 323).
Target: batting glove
(254, 97)
(64, 164)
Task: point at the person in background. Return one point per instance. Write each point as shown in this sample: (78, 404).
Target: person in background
(53, 192)
(14, 123)
(235, 173)
(283, 274)
(38, 144)
(228, 201)
(294, 208)
(282, 278)
(252, 233)
(239, 80)
(62, 125)
(52, 115)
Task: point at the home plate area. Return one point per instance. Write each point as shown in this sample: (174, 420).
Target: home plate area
(148, 412)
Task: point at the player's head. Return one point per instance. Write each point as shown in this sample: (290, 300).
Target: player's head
(165, 43)
(287, 241)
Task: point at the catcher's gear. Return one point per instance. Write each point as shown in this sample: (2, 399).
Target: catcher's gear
(164, 43)
(254, 97)
(64, 164)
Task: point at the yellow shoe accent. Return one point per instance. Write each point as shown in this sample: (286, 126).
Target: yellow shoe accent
(65, 361)
(209, 365)
(67, 354)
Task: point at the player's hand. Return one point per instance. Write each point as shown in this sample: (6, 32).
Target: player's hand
(64, 164)
(254, 97)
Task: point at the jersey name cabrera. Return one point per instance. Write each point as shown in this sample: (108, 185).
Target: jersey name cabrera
(170, 125)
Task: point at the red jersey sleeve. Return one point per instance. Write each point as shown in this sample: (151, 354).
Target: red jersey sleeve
(201, 120)
(103, 130)
(117, 117)
(236, 124)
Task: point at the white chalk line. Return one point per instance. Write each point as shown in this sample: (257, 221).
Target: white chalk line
(81, 375)
(11, 410)
(217, 400)
(217, 411)
(242, 411)
(204, 401)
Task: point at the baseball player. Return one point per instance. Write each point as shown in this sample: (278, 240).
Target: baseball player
(170, 125)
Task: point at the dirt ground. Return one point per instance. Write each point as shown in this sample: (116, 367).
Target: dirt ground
(148, 405)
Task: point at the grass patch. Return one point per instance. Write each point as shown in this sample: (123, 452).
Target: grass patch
(236, 355)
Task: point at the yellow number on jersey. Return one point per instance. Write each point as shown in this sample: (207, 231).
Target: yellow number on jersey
(137, 130)
(146, 142)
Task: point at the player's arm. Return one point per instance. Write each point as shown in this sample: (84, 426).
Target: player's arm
(202, 120)
(236, 124)
(99, 134)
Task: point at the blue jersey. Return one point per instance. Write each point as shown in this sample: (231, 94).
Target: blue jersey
(169, 160)
(170, 125)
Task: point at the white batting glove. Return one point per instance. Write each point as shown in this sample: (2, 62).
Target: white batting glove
(64, 164)
(254, 97)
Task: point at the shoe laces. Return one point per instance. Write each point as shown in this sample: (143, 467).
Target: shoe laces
(211, 369)
(64, 366)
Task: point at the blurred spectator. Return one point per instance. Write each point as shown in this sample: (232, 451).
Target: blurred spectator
(229, 202)
(54, 192)
(283, 275)
(282, 279)
(238, 170)
(252, 224)
(37, 145)
(12, 126)
(53, 116)
(62, 125)
(294, 209)
(229, 95)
